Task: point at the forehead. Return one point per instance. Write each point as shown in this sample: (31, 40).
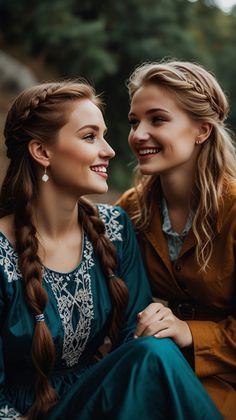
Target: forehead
(152, 96)
(84, 111)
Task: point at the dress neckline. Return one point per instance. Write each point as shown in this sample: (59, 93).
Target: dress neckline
(48, 269)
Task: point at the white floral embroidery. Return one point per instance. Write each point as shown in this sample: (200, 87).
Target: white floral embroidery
(74, 301)
(9, 260)
(72, 291)
(77, 302)
(7, 413)
(109, 215)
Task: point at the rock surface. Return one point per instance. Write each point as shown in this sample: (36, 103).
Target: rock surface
(14, 76)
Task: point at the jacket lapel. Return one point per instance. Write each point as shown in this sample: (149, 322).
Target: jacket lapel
(157, 238)
(189, 242)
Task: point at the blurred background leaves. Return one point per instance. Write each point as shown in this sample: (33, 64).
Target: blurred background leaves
(104, 40)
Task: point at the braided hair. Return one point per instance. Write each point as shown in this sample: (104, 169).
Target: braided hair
(198, 93)
(39, 112)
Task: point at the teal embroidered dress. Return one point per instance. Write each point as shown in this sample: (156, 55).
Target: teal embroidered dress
(144, 377)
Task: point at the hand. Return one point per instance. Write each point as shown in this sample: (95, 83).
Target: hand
(159, 321)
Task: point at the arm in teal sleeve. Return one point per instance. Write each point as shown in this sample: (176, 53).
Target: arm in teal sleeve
(131, 270)
(7, 411)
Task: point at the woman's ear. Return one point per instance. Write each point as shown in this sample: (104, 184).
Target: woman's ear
(39, 152)
(204, 131)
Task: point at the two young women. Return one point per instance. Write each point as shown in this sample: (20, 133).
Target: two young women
(71, 273)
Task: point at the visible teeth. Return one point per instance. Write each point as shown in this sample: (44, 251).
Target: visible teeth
(148, 151)
(99, 169)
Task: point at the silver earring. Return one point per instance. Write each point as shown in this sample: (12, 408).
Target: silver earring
(45, 176)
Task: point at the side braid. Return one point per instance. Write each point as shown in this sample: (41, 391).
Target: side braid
(105, 250)
(42, 97)
(42, 350)
(37, 113)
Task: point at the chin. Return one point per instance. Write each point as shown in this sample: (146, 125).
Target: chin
(101, 190)
(146, 171)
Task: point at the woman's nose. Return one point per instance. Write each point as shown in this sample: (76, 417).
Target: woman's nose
(141, 133)
(107, 150)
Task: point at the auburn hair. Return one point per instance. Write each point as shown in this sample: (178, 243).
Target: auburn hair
(199, 94)
(39, 112)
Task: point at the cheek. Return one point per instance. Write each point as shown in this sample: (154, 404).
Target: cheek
(77, 156)
(185, 136)
(189, 130)
(130, 140)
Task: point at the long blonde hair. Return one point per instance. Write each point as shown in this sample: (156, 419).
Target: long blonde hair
(199, 94)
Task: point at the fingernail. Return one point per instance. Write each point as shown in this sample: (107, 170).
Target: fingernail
(135, 336)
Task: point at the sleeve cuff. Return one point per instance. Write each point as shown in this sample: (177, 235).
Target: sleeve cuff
(205, 340)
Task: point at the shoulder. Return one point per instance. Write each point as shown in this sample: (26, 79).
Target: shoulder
(115, 220)
(227, 214)
(8, 258)
(230, 198)
(7, 229)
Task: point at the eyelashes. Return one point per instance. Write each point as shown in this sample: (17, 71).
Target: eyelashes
(133, 122)
(90, 136)
(154, 120)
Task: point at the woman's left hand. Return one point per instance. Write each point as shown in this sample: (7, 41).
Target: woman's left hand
(159, 321)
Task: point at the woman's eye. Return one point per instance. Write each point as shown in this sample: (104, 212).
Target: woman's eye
(90, 137)
(157, 120)
(133, 122)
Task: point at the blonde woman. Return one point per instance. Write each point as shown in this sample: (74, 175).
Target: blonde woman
(183, 207)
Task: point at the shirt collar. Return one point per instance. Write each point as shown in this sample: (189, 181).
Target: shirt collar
(166, 223)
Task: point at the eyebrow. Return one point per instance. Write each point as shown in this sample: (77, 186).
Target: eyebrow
(151, 111)
(92, 126)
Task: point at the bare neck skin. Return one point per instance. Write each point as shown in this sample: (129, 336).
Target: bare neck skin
(59, 232)
(58, 229)
(56, 213)
(177, 187)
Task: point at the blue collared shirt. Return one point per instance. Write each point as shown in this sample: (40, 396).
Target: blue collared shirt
(175, 240)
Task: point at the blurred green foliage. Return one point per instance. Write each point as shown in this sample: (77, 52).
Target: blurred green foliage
(104, 40)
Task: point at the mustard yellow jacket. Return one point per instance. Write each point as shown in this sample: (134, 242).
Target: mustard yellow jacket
(213, 324)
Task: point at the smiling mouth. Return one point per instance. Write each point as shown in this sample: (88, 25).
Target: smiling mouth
(100, 170)
(147, 152)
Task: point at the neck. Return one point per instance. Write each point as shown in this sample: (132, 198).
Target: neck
(177, 187)
(56, 214)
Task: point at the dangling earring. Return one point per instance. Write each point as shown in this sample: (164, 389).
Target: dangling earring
(45, 176)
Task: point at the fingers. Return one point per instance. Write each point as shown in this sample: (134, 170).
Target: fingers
(179, 331)
(150, 317)
(159, 321)
(150, 310)
(155, 327)
(164, 333)
(145, 317)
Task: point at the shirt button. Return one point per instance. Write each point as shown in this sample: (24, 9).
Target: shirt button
(178, 267)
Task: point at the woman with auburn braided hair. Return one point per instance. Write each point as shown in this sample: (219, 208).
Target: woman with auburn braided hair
(183, 207)
(71, 273)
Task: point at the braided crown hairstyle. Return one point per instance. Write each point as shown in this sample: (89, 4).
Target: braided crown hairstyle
(39, 112)
(199, 94)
